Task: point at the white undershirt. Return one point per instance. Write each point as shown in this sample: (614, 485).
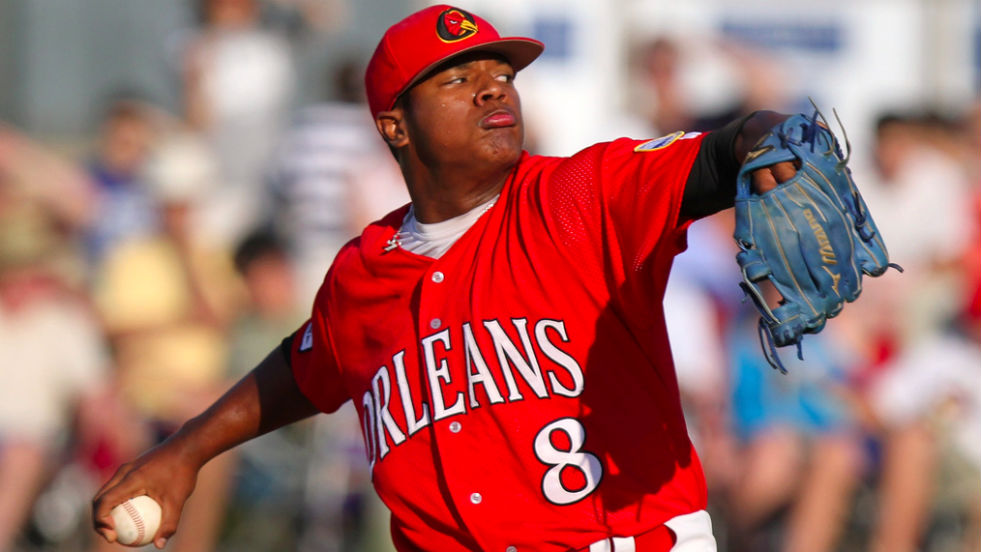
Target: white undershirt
(435, 239)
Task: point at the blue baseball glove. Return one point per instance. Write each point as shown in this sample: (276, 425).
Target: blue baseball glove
(812, 236)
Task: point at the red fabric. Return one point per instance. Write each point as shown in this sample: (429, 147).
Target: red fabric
(659, 539)
(535, 371)
(417, 44)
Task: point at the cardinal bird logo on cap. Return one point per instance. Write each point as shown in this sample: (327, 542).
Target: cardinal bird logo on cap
(454, 25)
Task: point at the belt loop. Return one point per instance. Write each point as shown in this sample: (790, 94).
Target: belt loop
(624, 544)
(601, 546)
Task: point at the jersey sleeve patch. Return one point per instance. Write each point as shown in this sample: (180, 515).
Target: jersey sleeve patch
(307, 342)
(659, 143)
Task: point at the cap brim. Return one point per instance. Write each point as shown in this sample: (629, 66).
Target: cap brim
(519, 52)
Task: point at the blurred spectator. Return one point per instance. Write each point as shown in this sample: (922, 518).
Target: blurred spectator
(660, 60)
(666, 66)
(929, 401)
(333, 175)
(52, 360)
(306, 486)
(267, 498)
(238, 81)
(800, 456)
(262, 260)
(123, 207)
(905, 160)
(915, 366)
(36, 179)
(166, 301)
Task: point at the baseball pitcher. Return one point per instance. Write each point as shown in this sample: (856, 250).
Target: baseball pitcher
(502, 336)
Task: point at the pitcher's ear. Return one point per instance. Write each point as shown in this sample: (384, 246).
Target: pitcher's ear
(391, 125)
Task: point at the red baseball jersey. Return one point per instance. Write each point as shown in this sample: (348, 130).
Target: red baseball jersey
(519, 391)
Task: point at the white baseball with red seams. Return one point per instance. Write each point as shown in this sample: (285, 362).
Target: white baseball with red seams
(136, 521)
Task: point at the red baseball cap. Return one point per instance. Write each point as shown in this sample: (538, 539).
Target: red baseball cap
(417, 44)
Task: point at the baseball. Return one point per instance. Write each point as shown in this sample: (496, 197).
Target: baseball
(136, 521)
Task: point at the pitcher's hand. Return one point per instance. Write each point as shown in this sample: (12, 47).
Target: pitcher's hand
(164, 474)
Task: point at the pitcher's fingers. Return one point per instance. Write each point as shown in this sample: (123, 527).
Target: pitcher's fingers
(783, 171)
(104, 503)
(104, 527)
(169, 518)
(110, 496)
(763, 180)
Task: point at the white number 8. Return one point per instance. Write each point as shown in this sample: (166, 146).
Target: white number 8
(585, 462)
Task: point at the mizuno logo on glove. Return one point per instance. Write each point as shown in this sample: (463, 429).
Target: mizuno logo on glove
(827, 252)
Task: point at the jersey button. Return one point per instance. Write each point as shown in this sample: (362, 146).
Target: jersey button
(435, 323)
(511, 549)
(437, 276)
(476, 498)
(455, 427)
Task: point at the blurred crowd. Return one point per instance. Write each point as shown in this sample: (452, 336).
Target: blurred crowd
(873, 440)
(139, 279)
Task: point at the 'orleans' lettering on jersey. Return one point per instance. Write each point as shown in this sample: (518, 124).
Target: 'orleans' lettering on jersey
(511, 360)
